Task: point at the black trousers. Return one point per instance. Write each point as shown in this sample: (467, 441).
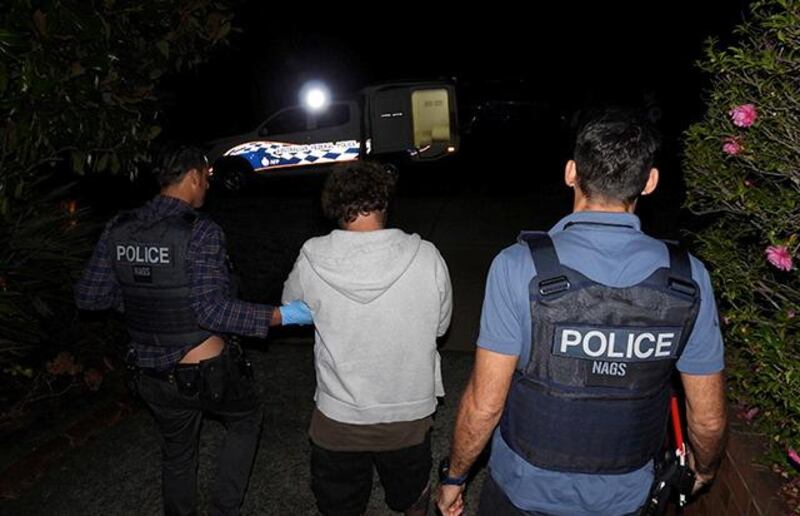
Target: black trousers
(220, 387)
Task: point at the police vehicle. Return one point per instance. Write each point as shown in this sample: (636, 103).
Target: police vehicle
(388, 122)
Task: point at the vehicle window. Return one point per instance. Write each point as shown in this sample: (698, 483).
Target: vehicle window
(297, 120)
(335, 115)
(431, 111)
(288, 121)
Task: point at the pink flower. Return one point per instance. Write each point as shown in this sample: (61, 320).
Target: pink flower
(780, 257)
(750, 414)
(793, 455)
(744, 115)
(731, 146)
(791, 314)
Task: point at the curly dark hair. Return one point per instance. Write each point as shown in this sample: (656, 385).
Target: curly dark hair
(357, 188)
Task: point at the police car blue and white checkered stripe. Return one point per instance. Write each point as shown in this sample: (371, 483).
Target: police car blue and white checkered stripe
(264, 155)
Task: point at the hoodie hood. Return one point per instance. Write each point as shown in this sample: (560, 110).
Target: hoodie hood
(362, 265)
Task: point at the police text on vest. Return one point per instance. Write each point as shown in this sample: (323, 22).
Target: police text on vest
(617, 344)
(143, 254)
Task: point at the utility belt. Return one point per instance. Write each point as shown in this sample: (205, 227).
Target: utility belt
(210, 378)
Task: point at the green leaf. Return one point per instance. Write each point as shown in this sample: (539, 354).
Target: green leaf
(77, 69)
(163, 47)
(3, 77)
(115, 163)
(41, 308)
(40, 21)
(102, 163)
(78, 162)
(224, 31)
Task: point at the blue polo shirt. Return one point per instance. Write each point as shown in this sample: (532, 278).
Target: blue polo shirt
(610, 249)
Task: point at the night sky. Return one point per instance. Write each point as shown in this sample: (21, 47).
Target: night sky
(567, 56)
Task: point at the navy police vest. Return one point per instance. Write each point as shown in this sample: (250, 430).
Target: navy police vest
(149, 259)
(593, 397)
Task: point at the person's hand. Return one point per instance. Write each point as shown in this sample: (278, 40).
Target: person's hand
(450, 500)
(700, 480)
(295, 312)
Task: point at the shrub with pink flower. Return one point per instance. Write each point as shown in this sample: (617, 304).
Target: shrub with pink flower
(793, 456)
(742, 171)
(748, 414)
(64, 364)
(731, 146)
(780, 257)
(744, 115)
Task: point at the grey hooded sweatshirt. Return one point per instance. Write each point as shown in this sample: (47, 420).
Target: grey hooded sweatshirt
(379, 300)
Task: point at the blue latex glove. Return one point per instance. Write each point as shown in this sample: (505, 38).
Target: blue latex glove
(295, 312)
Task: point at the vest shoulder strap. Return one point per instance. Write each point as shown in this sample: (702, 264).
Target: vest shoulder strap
(680, 269)
(549, 273)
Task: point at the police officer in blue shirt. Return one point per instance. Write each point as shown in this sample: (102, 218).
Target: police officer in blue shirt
(581, 330)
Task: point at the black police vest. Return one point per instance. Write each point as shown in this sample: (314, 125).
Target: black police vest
(149, 259)
(593, 397)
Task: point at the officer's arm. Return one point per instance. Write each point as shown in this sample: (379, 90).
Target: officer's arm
(706, 417)
(481, 407)
(210, 294)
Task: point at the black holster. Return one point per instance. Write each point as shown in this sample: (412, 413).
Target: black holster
(213, 378)
(671, 480)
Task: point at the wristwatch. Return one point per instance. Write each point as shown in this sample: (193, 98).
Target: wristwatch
(444, 475)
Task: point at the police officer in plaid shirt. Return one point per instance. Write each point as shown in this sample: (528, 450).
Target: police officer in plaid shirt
(164, 266)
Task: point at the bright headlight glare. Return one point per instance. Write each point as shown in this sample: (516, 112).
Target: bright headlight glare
(315, 96)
